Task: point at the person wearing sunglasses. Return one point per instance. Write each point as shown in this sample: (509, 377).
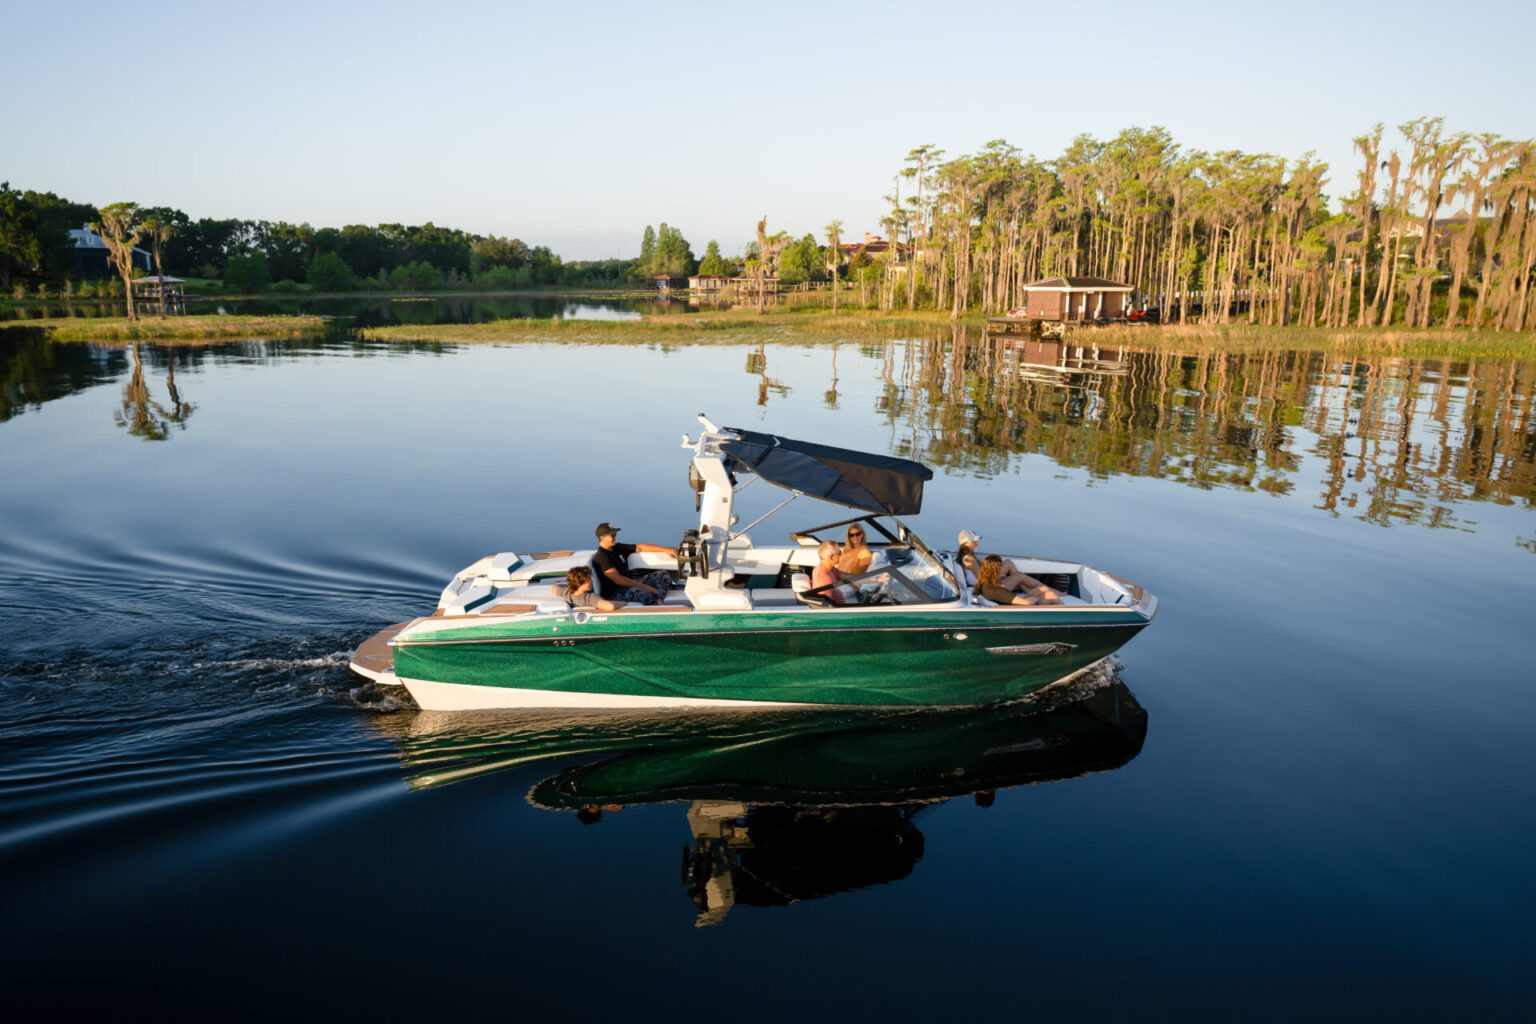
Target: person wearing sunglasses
(856, 555)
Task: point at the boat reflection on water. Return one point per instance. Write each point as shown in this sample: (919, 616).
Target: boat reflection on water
(785, 807)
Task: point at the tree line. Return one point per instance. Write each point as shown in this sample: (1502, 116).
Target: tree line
(251, 255)
(1228, 235)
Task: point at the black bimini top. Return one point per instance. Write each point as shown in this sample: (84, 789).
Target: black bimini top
(874, 483)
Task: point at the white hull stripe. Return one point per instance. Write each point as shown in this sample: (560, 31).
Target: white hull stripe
(433, 696)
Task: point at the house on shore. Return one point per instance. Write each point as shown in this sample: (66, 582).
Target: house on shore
(874, 245)
(91, 257)
(708, 284)
(665, 283)
(1074, 300)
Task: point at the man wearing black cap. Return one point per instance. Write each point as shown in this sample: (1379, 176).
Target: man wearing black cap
(612, 562)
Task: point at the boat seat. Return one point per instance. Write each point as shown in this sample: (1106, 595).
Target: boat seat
(801, 582)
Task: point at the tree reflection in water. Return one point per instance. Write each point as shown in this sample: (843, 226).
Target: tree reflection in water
(142, 415)
(1395, 440)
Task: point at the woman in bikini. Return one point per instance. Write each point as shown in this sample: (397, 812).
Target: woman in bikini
(989, 585)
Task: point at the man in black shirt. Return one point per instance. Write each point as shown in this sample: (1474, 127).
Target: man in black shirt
(612, 561)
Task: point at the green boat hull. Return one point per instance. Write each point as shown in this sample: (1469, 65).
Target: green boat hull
(870, 660)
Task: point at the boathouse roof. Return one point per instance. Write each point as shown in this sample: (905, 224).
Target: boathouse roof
(1077, 284)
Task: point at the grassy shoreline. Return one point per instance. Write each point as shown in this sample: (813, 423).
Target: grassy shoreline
(803, 325)
(671, 326)
(192, 329)
(810, 325)
(1429, 342)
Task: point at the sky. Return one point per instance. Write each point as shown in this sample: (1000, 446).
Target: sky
(576, 125)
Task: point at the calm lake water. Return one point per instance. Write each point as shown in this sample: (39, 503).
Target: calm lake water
(1308, 789)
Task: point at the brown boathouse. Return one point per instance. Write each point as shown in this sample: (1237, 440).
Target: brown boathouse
(1073, 300)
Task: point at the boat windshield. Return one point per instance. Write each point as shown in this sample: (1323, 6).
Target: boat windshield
(927, 570)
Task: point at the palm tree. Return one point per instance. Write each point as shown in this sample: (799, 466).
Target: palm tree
(158, 230)
(834, 232)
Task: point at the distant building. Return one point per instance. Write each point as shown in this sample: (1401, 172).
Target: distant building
(746, 284)
(91, 254)
(873, 245)
(708, 284)
(667, 282)
(1445, 227)
(1074, 299)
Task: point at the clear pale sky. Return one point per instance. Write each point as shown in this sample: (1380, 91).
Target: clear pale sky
(576, 125)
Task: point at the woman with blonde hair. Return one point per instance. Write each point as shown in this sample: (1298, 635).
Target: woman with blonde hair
(989, 584)
(856, 555)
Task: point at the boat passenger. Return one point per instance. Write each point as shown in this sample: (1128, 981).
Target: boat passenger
(826, 572)
(856, 555)
(578, 593)
(1013, 578)
(612, 561)
(988, 585)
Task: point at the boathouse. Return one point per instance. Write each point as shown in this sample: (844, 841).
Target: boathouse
(169, 290)
(1075, 299)
(708, 284)
(667, 282)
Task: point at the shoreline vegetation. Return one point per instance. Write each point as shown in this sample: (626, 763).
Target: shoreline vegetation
(120, 330)
(820, 324)
(277, 297)
(805, 324)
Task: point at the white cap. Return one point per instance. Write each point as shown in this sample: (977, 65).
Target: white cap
(970, 537)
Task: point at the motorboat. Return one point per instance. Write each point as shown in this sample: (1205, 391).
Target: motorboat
(741, 626)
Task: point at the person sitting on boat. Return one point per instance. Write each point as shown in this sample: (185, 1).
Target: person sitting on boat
(856, 555)
(970, 564)
(578, 593)
(612, 561)
(827, 574)
(989, 586)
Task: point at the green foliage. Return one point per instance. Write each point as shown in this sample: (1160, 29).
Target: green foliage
(801, 261)
(713, 262)
(287, 286)
(418, 276)
(647, 250)
(491, 251)
(247, 273)
(328, 272)
(20, 247)
(664, 251)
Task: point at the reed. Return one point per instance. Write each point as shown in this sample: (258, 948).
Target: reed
(666, 325)
(121, 330)
(1407, 342)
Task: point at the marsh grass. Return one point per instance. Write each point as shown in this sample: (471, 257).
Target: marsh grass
(1409, 343)
(189, 329)
(679, 327)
